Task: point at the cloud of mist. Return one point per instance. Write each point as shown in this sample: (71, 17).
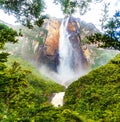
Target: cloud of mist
(65, 80)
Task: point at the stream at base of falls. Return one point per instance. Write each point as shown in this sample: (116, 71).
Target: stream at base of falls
(57, 100)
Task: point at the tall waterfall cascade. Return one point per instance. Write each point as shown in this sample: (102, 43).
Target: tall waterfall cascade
(69, 56)
(65, 51)
(62, 57)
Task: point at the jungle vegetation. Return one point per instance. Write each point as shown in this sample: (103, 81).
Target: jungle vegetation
(24, 95)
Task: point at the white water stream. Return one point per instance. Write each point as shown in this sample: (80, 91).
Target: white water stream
(65, 70)
(57, 100)
(67, 55)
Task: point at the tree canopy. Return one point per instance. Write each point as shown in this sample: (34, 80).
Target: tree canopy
(22, 92)
(69, 6)
(111, 36)
(27, 12)
(104, 15)
(112, 28)
(30, 12)
(6, 35)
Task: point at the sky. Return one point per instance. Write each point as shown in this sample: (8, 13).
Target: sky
(92, 16)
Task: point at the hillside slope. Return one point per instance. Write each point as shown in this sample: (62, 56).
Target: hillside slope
(97, 94)
(24, 92)
(42, 84)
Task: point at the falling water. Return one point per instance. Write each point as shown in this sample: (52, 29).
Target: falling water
(58, 99)
(70, 57)
(65, 52)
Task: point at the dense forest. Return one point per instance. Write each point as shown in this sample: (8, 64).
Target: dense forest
(96, 94)
(25, 93)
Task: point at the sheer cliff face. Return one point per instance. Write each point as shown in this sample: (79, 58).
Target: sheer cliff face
(52, 40)
(48, 54)
(79, 59)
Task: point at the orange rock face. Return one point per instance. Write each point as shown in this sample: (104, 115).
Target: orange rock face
(52, 40)
(49, 55)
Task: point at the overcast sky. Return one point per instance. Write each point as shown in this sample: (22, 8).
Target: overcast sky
(91, 16)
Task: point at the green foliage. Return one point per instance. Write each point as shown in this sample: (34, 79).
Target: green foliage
(3, 57)
(111, 37)
(26, 12)
(105, 15)
(7, 35)
(23, 94)
(112, 28)
(47, 113)
(69, 7)
(96, 94)
(104, 41)
(36, 79)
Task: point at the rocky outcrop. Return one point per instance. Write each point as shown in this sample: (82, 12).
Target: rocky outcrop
(52, 39)
(79, 59)
(48, 53)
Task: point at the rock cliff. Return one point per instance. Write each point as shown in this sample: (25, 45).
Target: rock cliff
(48, 53)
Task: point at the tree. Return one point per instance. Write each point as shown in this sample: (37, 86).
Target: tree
(105, 15)
(15, 90)
(112, 28)
(111, 36)
(27, 12)
(69, 6)
(6, 35)
(30, 12)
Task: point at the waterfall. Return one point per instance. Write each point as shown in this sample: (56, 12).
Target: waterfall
(65, 52)
(71, 58)
(58, 99)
